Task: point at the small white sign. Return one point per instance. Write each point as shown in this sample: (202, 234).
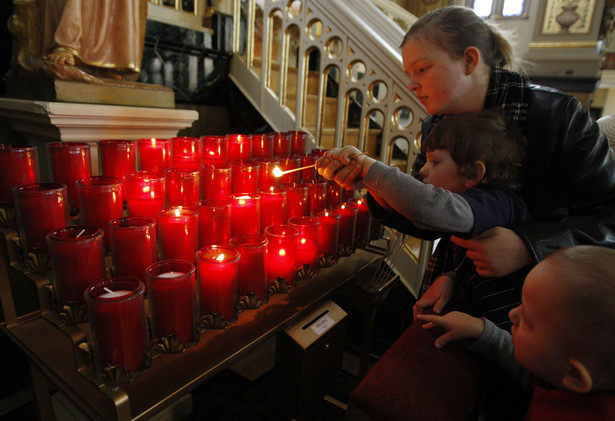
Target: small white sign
(323, 324)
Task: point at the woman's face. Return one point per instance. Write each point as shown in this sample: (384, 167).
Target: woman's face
(441, 82)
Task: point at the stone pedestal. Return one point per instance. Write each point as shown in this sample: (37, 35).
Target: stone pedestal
(42, 122)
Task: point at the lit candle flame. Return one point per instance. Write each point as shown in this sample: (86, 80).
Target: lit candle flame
(178, 212)
(242, 201)
(271, 189)
(326, 213)
(282, 252)
(146, 189)
(303, 241)
(220, 257)
(277, 172)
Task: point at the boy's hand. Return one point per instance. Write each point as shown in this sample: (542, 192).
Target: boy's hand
(437, 296)
(339, 165)
(457, 325)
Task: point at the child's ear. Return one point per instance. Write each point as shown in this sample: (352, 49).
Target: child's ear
(577, 377)
(479, 173)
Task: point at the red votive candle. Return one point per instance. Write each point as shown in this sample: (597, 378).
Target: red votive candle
(245, 214)
(308, 173)
(178, 229)
(334, 194)
(215, 150)
(239, 147)
(217, 270)
(317, 195)
(100, 201)
(154, 154)
(252, 276)
(117, 159)
(348, 224)
(281, 144)
(266, 178)
(133, 245)
(78, 261)
(215, 182)
(328, 234)
(273, 207)
(69, 162)
(296, 199)
(307, 242)
(116, 310)
(182, 186)
(318, 152)
(262, 146)
(186, 152)
(18, 165)
(364, 219)
(171, 288)
(244, 176)
(282, 252)
(214, 222)
(41, 208)
(145, 193)
(297, 142)
(289, 163)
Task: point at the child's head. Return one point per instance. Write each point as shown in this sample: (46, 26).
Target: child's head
(563, 331)
(475, 148)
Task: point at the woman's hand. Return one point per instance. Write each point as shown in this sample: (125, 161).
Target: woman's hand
(436, 296)
(456, 324)
(342, 166)
(496, 252)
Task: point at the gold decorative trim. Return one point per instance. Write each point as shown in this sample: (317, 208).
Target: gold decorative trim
(305, 272)
(565, 44)
(213, 321)
(250, 301)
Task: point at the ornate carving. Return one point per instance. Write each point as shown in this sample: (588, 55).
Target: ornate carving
(73, 313)
(8, 217)
(305, 273)
(250, 301)
(170, 344)
(278, 286)
(326, 261)
(213, 321)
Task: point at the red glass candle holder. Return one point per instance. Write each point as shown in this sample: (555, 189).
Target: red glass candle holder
(78, 261)
(266, 178)
(262, 146)
(318, 152)
(116, 310)
(18, 165)
(305, 161)
(154, 154)
(297, 141)
(252, 275)
(217, 271)
(273, 207)
(100, 201)
(317, 195)
(289, 163)
(215, 150)
(244, 176)
(245, 214)
(178, 231)
(307, 245)
(215, 182)
(145, 193)
(282, 253)
(328, 234)
(239, 147)
(296, 200)
(214, 222)
(182, 186)
(171, 288)
(41, 208)
(69, 162)
(364, 220)
(281, 144)
(348, 225)
(334, 194)
(117, 159)
(133, 245)
(186, 152)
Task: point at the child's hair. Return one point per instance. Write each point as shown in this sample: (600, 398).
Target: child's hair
(480, 136)
(455, 28)
(588, 274)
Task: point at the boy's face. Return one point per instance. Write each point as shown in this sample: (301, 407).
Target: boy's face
(538, 328)
(441, 171)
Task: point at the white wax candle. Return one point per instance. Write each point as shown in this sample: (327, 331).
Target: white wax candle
(113, 294)
(171, 274)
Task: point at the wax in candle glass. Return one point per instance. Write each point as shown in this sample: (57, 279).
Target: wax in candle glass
(281, 144)
(217, 271)
(215, 150)
(78, 261)
(307, 173)
(334, 194)
(214, 222)
(18, 165)
(289, 163)
(215, 182)
(117, 159)
(266, 178)
(282, 252)
(364, 219)
(244, 176)
(41, 208)
(328, 235)
(317, 195)
(273, 207)
(296, 199)
(69, 162)
(348, 224)
(133, 245)
(178, 230)
(245, 214)
(262, 146)
(297, 142)
(154, 154)
(171, 288)
(239, 147)
(100, 201)
(182, 186)
(252, 275)
(116, 310)
(307, 242)
(185, 152)
(145, 193)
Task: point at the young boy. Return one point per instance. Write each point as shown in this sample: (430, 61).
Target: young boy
(562, 334)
